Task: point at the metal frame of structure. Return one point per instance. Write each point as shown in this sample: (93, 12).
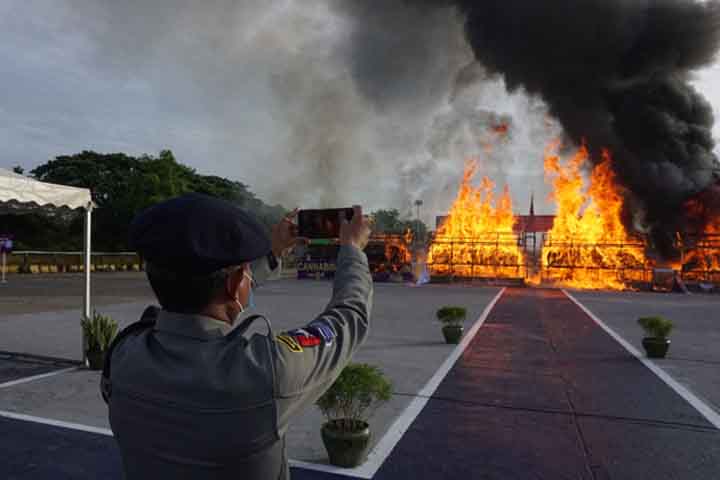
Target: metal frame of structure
(491, 242)
(700, 259)
(630, 274)
(704, 247)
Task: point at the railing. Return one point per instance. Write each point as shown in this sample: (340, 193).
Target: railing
(35, 261)
(565, 258)
(492, 255)
(700, 258)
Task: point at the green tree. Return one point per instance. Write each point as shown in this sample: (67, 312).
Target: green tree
(239, 194)
(387, 221)
(390, 222)
(19, 170)
(123, 185)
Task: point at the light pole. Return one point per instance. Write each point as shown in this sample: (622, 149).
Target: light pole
(418, 204)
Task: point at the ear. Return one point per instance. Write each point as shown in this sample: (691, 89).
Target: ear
(235, 283)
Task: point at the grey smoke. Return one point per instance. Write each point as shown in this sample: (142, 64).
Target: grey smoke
(615, 73)
(311, 102)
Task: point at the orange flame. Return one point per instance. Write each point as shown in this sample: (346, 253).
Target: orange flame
(588, 246)
(397, 249)
(397, 254)
(477, 239)
(701, 246)
(501, 129)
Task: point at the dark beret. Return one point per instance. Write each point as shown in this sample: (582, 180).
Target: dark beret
(197, 234)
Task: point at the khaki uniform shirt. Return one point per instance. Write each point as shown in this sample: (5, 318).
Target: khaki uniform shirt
(192, 399)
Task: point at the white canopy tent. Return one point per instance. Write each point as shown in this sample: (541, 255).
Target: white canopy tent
(20, 194)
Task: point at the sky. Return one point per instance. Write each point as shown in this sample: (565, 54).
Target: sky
(267, 93)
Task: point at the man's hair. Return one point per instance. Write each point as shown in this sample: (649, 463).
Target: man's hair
(185, 293)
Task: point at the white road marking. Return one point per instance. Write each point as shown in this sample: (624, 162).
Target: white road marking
(55, 423)
(705, 410)
(20, 381)
(385, 446)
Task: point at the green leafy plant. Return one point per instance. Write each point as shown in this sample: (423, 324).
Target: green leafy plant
(450, 315)
(99, 332)
(656, 327)
(351, 400)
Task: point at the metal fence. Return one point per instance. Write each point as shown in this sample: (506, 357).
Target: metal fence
(700, 258)
(564, 259)
(493, 255)
(33, 261)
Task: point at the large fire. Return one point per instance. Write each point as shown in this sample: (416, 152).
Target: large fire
(700, 252)
(397, 249)
(588, 246)
(477, 240)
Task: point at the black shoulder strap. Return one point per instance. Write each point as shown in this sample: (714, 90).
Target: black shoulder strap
(245, 325)
(147, 321)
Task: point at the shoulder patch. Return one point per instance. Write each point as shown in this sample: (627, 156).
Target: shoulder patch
(323, 331)
(305, 338)
(290, 343)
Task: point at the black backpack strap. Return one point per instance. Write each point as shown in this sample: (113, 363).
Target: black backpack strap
(147, 321)
(245, 325)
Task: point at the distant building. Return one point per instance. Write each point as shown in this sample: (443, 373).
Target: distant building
(533, 223)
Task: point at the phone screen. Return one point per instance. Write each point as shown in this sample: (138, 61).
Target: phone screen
(323, 223)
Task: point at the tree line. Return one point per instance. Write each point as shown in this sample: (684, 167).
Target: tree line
(121, 186)
(391, 221)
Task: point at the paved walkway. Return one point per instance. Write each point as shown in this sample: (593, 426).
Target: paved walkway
(541, 392)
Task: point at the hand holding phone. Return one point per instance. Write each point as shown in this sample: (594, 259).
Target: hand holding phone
(356, 232)
(315, 224)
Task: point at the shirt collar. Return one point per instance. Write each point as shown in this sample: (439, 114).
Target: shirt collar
(195, 326)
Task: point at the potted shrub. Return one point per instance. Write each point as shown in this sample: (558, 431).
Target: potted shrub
(452, 319)
(657, 329)
(99, 332)
(347, 406)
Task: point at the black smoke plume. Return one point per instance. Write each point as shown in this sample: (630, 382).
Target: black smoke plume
(616, 74)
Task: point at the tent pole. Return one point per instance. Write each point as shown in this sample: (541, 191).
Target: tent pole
(88, 266)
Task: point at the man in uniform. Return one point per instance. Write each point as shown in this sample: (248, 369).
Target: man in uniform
(191, 397)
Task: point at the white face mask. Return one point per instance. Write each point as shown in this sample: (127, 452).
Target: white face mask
(251, 295)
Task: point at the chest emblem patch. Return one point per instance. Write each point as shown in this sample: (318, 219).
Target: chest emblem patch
(291, 343)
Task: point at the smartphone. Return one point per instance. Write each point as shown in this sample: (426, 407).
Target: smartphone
(323, 223)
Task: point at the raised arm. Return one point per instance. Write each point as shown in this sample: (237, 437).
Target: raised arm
(309, 359)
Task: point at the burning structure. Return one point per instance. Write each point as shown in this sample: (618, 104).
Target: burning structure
(477, 239)
(618, 78)
(588, 245)
(700, 249)
(585, 245)
(389, 256)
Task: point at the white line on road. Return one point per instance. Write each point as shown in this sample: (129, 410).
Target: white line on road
(55, 423)
(706, 411)
(391, 438)
(20, 381)
(382, 449)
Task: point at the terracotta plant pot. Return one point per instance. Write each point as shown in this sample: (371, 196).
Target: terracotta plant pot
(656, 347)
(95, 359)
(453, 333)
(346, 449)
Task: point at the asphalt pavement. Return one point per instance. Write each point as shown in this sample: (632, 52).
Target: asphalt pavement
(540, 392)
